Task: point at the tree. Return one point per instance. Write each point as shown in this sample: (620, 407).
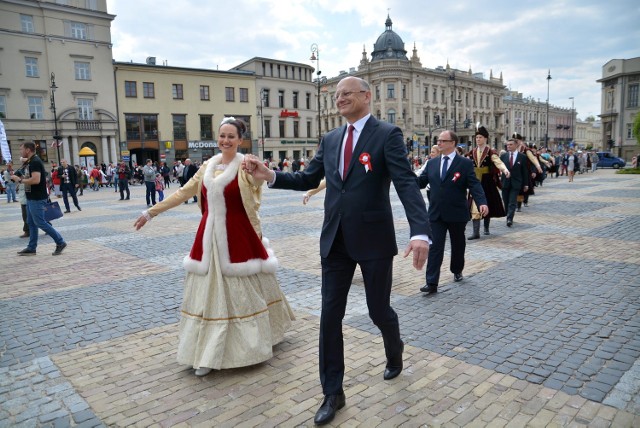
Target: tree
(636, 127)
(590, 119)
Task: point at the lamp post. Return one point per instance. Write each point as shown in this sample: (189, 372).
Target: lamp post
(572, 116)
(262, 94)
(546, 135)
(56, 137)
(452, 76)
(315, 56)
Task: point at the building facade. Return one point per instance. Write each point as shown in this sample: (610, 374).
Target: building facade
(173, 113)
(589, 135)
(528, 117)
(56, 79)
(419, 100)
(287, 109)
(619, 105)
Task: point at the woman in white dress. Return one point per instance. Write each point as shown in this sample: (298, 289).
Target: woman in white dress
(233, 310)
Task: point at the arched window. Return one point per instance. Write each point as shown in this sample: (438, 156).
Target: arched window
(391, 116)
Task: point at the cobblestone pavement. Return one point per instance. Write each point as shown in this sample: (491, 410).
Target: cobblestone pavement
(543, 331)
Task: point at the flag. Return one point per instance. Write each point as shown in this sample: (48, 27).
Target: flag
(4, 145)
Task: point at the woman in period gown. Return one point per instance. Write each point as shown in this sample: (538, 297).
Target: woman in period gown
(233, 310)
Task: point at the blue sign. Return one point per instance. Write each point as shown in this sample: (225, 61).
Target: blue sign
(126, 158)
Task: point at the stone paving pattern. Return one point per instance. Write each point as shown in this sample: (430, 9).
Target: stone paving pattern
(543, 331)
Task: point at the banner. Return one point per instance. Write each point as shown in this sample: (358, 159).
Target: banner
(4, 145)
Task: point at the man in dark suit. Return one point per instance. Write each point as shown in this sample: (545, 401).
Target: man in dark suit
(359, 161)
(188, 172)
(517, 182)
(449, 176)
(68, 184)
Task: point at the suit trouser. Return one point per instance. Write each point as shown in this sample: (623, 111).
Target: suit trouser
(439, 230)
(337, 275)
(66, 189)
(510, 198)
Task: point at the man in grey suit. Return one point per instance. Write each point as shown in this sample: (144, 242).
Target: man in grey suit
(517, 182)
(359, 161)
(449, 176)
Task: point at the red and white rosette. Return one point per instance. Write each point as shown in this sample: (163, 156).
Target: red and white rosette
(365, 159)
(455, 177)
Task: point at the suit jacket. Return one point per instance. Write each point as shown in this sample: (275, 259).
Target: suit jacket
(73, 176)
(448, 198)
(360, 204)
(188, 172)
(519, 171)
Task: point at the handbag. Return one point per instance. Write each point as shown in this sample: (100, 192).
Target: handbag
(52, 211)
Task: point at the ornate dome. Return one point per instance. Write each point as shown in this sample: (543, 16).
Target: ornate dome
(389, 45)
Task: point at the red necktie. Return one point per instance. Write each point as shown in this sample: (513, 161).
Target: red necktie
(348, 150)
(511, 161)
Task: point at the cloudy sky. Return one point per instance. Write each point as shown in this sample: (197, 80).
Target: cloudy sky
(521, 40)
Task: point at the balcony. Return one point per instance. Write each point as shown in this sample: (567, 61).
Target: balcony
(88, 125)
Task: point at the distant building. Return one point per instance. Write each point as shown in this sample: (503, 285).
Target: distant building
(619, 106)
(419, 100)
(168, 113)
(528, 117)
(46, 42)
(287, 108)
(589, 135)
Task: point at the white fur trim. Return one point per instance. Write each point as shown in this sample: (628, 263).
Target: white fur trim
(216, 223)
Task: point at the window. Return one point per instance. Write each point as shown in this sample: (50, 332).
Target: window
(79, 30)
(281, 99)
(426, 94)
(295, 99)
(404, 92)
(141, 127)
(266, 97)
(204, 93)
(83, 70)
(308, 101)
(244, 95)
(391, 116)
(31, 65)
(267, 128)
(281, 128)
(3, 106)
(391, 90)
(176, 91)
(130, 89)
(35, 108)
(229, 94)
(296, 129)
(85, 109)
(435, 95)
(633, 96)
(629, 131)
(179, 126)
(26, 22)
(206, 127)
(308, 129)
(148, 90)
(442, 98)
(377, 92)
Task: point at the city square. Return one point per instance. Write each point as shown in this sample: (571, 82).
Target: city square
(543, 331)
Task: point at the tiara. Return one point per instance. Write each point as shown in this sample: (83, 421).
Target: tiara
(227, 120)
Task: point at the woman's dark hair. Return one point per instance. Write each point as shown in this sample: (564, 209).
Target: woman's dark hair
(238, 123)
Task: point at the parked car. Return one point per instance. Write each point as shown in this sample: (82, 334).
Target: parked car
(608, 160)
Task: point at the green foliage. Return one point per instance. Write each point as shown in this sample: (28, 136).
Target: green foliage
(636, 127)
(628, 171)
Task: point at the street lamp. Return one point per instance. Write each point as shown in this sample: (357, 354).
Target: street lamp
(56, 137)
(262, 95)
(572, 116)
(315, 56)
(546, 136)
(452, 76)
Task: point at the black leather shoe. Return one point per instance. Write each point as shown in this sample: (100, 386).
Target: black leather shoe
(27, 252)
(429, 288)
(394, 365)
(472, 237)
(457, 277)
(327, 410)
(509, 223)
(67, 211)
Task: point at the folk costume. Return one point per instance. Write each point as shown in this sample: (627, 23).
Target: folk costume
(233, 310)
(532, 165)
(488, 167)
